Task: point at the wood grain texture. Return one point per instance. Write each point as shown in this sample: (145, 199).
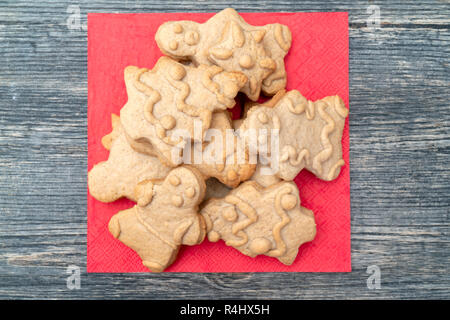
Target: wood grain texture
(399, 154)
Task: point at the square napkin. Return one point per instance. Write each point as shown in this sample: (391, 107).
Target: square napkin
(317, 65)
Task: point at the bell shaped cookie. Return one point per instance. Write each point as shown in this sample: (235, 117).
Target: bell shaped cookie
(309, 135)
(261, 221)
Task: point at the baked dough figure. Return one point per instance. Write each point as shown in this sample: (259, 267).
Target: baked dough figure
(118, 176)
(169, 99)
(310, 134)
(226, 40)
(257, 220)
(165, 217)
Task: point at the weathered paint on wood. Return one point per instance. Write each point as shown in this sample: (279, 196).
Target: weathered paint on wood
(399, 145)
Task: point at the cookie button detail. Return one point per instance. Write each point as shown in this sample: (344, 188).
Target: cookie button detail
(213, 236)
(177, 201)
(168, 122)
(246, 61)
(174, 180)
(177, 72)
(288, 201)
(173, 45)
(190, 192)
(260, 245)
(262, 117)
(191, 38)
(177, 28)
(230, 214)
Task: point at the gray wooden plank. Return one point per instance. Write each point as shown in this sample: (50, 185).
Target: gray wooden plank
(399, 145)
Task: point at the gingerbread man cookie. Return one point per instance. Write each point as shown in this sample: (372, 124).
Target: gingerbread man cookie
(125, 168)
(310, 134)
(168, 99)
(226, 40)
(165, 217)
(261, 221)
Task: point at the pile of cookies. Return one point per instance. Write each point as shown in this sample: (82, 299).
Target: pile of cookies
(192, 171)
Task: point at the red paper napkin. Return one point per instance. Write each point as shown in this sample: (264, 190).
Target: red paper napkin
(317, 66)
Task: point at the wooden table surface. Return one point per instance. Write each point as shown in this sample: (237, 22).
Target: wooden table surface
(399, 155)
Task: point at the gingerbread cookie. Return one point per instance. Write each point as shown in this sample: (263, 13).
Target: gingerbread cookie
(165, 217)
(257, 220)
(164, 103)
(226, 40)
(125, 168)
(310, 134)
